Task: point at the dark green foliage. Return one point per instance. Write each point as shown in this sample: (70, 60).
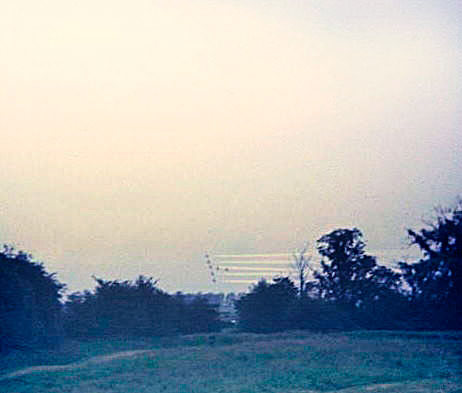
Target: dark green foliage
(198, 316)
(436, 280)
(351, 292)
(139, 308)
(321, 315)
(30, 310)
(384, 305)
(268, 307)
(369, 293)
(349, 276)
(278, 306)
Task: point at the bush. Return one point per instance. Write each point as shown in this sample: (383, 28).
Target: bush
(30, 308)
(126, 308)
(267, 308)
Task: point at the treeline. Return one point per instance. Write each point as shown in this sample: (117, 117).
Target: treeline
(33, 313)
(139, 308)
(350, 291)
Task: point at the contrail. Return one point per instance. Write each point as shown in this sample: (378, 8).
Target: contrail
(239, 281)
(271, 262)
(248, 274)
(250, 268)
(240, 268)
(231, 256)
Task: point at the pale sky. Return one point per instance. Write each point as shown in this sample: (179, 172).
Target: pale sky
(138, 135)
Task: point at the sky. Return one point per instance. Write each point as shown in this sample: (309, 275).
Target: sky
(138, 136)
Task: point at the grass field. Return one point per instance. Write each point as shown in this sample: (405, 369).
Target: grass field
(295, 362)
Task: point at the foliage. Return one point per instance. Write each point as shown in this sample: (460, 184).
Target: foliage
(30, 307)
(197, 316)
(321, 315)
(349, 276)
(126, 308)
(435, 281)
(267, 308)
(351, 292)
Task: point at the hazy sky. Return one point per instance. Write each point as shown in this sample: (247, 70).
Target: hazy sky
(136, 136)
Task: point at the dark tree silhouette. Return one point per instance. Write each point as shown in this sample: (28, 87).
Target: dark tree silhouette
(139, 308)
(346, 269)
(30, 308)
(267, 308)
(435, 281)
(355, 283)
(198, 316)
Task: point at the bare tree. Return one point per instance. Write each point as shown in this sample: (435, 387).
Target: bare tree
(301, 267)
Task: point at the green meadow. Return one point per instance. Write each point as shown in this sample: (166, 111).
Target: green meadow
(292, 362)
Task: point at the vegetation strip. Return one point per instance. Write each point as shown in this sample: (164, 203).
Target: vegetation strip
(385, 387)
(72, 366)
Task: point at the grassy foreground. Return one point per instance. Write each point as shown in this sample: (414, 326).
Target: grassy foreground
(295, 362)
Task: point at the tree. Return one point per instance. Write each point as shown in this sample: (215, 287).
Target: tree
(383, 305)
(345, 266)
(301, 266)
(353, 280)
(121, 308)
(268, 307)
(30, 308)
(435, 281)
(198, 315)
(136, 308)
